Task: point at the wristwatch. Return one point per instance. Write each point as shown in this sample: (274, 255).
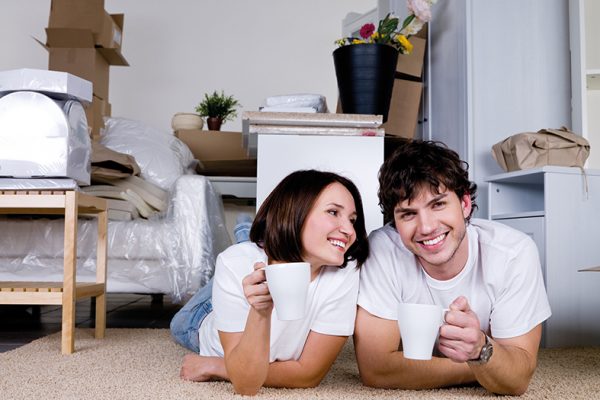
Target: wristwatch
(486, 352)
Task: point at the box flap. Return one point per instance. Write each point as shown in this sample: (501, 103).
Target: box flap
(69, 37)
(410, 66)
(113, 56)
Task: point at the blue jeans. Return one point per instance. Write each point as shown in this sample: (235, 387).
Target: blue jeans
(185, 324)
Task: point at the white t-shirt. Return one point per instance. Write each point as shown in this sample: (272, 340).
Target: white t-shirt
(502, 279)
(331, 305)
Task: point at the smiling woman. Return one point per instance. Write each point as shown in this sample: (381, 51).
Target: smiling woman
(313, 217)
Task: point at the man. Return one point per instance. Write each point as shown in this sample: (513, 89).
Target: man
(486, 273)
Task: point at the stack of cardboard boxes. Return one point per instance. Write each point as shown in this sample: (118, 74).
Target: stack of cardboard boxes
(408, 87)
(84, 40)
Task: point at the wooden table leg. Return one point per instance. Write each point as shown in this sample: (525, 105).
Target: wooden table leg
(70, 265)
(101, 256)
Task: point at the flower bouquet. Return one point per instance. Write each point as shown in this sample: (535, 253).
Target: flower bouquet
(365, 66)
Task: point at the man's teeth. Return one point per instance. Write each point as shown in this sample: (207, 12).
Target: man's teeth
(435, 240)
(338, 243)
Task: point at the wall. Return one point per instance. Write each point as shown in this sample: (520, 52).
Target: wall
(178, 50)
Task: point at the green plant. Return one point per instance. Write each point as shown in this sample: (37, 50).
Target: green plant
(218, 105)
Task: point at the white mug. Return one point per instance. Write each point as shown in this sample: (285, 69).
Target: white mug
(288, 284)
(419, 328)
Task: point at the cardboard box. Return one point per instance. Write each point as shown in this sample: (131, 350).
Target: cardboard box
(410, 66)
(87, 63)
(404, 109)
(81, 38)
(220, 153)
(95, 114)
(107, 29)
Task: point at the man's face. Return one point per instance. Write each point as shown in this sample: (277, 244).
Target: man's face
(433, 227)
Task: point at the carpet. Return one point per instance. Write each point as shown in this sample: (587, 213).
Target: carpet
(144, 364)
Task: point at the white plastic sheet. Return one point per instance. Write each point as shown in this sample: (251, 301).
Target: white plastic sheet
(173, 252)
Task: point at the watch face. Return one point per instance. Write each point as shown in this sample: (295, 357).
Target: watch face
(486, 352)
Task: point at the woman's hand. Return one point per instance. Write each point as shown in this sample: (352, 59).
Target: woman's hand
(257, 291)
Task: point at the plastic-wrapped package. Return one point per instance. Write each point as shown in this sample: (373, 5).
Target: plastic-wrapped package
(55, 84)
(174, 252)
(316, 101)
(42, 137)
(162, 157)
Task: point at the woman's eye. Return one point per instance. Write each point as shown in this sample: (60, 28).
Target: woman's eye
(333, 212)
(353, 221)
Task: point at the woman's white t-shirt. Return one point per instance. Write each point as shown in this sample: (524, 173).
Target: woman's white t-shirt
(331, 305)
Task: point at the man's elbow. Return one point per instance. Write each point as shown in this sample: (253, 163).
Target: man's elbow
(374, 379)
(514, 390)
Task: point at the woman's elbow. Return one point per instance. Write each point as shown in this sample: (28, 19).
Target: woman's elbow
(246, 390)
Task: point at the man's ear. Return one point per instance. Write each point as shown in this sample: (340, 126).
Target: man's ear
(466, 205)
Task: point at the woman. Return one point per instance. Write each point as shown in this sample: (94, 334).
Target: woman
(311, 216)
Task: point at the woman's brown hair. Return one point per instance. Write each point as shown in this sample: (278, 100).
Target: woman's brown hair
(277, 227)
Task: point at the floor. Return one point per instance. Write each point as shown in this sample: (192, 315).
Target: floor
(20, 325)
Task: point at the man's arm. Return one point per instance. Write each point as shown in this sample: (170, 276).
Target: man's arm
(513, 361)
(381, 364)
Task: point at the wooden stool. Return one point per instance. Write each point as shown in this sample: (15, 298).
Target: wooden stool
(70, 203)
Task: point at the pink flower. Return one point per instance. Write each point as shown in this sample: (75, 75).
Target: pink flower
(367, 30)
(421, 8)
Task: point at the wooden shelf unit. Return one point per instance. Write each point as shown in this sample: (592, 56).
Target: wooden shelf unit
(71, 204)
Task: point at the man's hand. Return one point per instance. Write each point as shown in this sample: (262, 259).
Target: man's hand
(461, 338)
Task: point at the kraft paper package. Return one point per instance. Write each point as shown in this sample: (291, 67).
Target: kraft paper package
(544, 147)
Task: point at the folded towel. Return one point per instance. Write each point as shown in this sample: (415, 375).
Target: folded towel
(289, 109)
(316, 101)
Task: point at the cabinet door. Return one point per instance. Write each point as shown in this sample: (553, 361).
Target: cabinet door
(534, 227)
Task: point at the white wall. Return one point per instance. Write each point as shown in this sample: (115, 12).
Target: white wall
(178, 50)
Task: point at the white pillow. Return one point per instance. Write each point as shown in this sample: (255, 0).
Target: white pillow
(161, 156)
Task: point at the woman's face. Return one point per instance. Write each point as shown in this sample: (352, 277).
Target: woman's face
(328, 231)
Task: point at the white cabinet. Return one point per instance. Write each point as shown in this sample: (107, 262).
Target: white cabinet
(355, 157)
(496, 68)
(585, 73)
(560, 208)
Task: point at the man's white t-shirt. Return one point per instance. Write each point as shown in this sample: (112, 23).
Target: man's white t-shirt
(502, 279)
(330, 305)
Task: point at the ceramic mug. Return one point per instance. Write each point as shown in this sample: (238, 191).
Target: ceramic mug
(288, 284)
(419, 328)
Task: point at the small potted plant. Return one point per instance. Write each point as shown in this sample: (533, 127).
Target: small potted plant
(217, 108)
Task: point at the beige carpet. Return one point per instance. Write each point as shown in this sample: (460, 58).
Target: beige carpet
(144, 364)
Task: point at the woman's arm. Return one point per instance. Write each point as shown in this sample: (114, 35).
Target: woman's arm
(320, 351)
(247, 353)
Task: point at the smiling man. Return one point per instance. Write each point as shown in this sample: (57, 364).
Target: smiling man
(431, 252)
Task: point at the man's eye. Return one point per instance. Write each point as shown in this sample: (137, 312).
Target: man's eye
(407, 216)
(439, 204)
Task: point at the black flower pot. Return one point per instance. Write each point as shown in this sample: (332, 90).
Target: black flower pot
(365, 77)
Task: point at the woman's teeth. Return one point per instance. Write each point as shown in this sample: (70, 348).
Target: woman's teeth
(338, 243)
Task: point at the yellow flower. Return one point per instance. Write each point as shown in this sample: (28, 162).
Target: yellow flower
(406, 45)
(375, 35)
(357, 41)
